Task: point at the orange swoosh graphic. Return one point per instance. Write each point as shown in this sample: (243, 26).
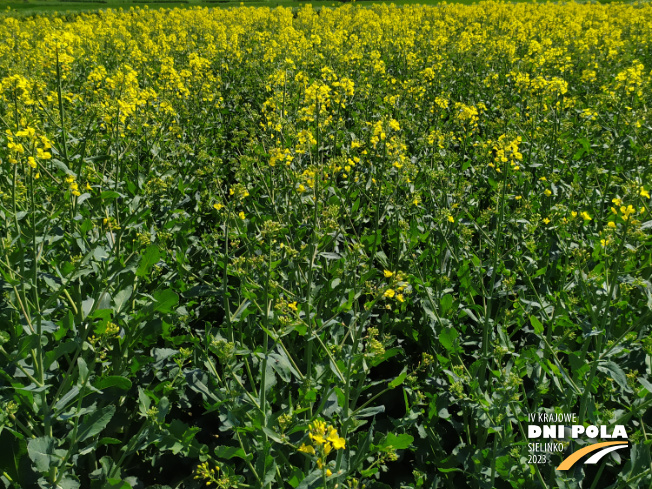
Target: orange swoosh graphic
(575, 456)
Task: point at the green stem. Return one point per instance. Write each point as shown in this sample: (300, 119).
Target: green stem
(487, 319)
(493, 460)
(263, 372)
(602, 335)
(64, 137)
(315, 246)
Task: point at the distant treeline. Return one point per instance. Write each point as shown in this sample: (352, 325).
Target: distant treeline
(85, 1)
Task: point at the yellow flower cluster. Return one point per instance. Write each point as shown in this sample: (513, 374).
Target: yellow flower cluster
(398, 286)
(27, 142)
(325, 439)
(211, 476)
(625, 211)
(73, 185)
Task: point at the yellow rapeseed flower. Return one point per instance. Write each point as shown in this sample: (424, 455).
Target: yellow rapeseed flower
(307, 449)
(337, 441)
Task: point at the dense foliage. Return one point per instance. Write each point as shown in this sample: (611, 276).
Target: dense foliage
(338, 248)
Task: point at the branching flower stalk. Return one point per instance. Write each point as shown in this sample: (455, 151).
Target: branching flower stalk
(600, 338)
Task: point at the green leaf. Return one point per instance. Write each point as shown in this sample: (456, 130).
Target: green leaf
(94, 423)
(100, 254)
(312, 481)
(143, 401)
(165, 300)
(13, 450)
(398, 380)
(107, 440)
(148, 259)
(377, 360)
(446, 304)
(394, 442)
(616, 373)
(87, 307)
(370, 411)
(58, 351)
(67, 398)
(272, 435)
(296, 477)
(330, 256)
(447, 338)
(536, 324)
(43, 453)
(116, 484)
(122, 383)
(83, 370)
(68, 483)
(282, 366)
(122, 298)
(646, 384)
(368, 472)
(228, 453)
(109, 195)
(180, 439)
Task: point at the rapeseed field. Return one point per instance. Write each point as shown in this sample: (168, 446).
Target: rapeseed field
(360, 247)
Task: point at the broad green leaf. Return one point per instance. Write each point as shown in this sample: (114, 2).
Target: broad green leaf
(122, 298)
(447, 338)
(397, 442)
(312, 481)
(616, 373)
(68, 482)
(446, 304)
(94, 423)
(148, 259)
(370, 411)
(398, 380)
(165, 300)
(67, 398)
(43, 453)
(122, 383)
(116, 484)
(13, 450)
(83, 370)
(228, 453)
(536, 324)
(109, 195)
(646, 384)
